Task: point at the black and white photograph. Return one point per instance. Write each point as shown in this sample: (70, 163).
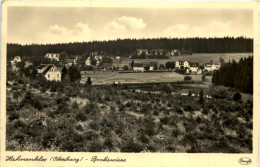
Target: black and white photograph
(129, 79)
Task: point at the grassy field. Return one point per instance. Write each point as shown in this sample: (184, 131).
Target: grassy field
(196, 57)
(110, 77)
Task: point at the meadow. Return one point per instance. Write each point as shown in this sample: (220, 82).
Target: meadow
(110, 77)
(201, 58)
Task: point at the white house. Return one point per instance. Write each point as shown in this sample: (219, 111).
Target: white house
(194, 67)
(49, 71)
(215, 66)
(186, 64)
(88, 62)
(178, 64)
(53, 56)
(138, 67)
(211, 66)
(199, 71)
(70, 62)
(152, 64)
(28, 63)
(140, 51)
(99, 57)
(118, 57)
(16, 60)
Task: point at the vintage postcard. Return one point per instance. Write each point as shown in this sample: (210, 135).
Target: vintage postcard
(129, 83)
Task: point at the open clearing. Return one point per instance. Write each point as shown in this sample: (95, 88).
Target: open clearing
(201, 58)
(109, 77)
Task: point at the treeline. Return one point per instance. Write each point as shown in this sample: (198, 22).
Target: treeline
(124, 47)
(238, 75)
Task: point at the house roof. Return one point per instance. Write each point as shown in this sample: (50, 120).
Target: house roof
(194, 64)
(46, 67)
(180, 62)
(51, 54)
(41, 66)
(138, 65)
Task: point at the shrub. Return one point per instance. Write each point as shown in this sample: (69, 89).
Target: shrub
(179, 110)
(203, 78)
(205, 111)
(188, 108)
(48, 139)
(201, 97)
(145, 109)
(16, 94)
(219, 92)
(89, 82)
(155, 113)
(187, 78)
(128, 104)
(81, 116)
(132, 146)
(125, 67)
(164, 120)
(96, 145)
(37, 102)
(12, 115)
(237, 96)
(19, 137)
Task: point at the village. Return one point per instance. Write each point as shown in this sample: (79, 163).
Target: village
(52, 64)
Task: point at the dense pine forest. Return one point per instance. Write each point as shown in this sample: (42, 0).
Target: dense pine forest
(236, 74)
(123, 47)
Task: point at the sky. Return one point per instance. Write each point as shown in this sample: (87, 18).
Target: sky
(42, 25)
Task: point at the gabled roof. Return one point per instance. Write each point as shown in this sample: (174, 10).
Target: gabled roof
(47, 67)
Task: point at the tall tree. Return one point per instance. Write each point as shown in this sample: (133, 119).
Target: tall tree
(236, 74)
(132, 64)
(74, 74)
(64, 72)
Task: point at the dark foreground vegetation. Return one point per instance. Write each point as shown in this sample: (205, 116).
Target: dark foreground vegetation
(84, 118)
(124, 47)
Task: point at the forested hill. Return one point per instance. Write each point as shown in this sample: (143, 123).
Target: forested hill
(126, 46)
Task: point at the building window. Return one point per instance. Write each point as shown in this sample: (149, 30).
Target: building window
(48, 75)
(58, 75)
